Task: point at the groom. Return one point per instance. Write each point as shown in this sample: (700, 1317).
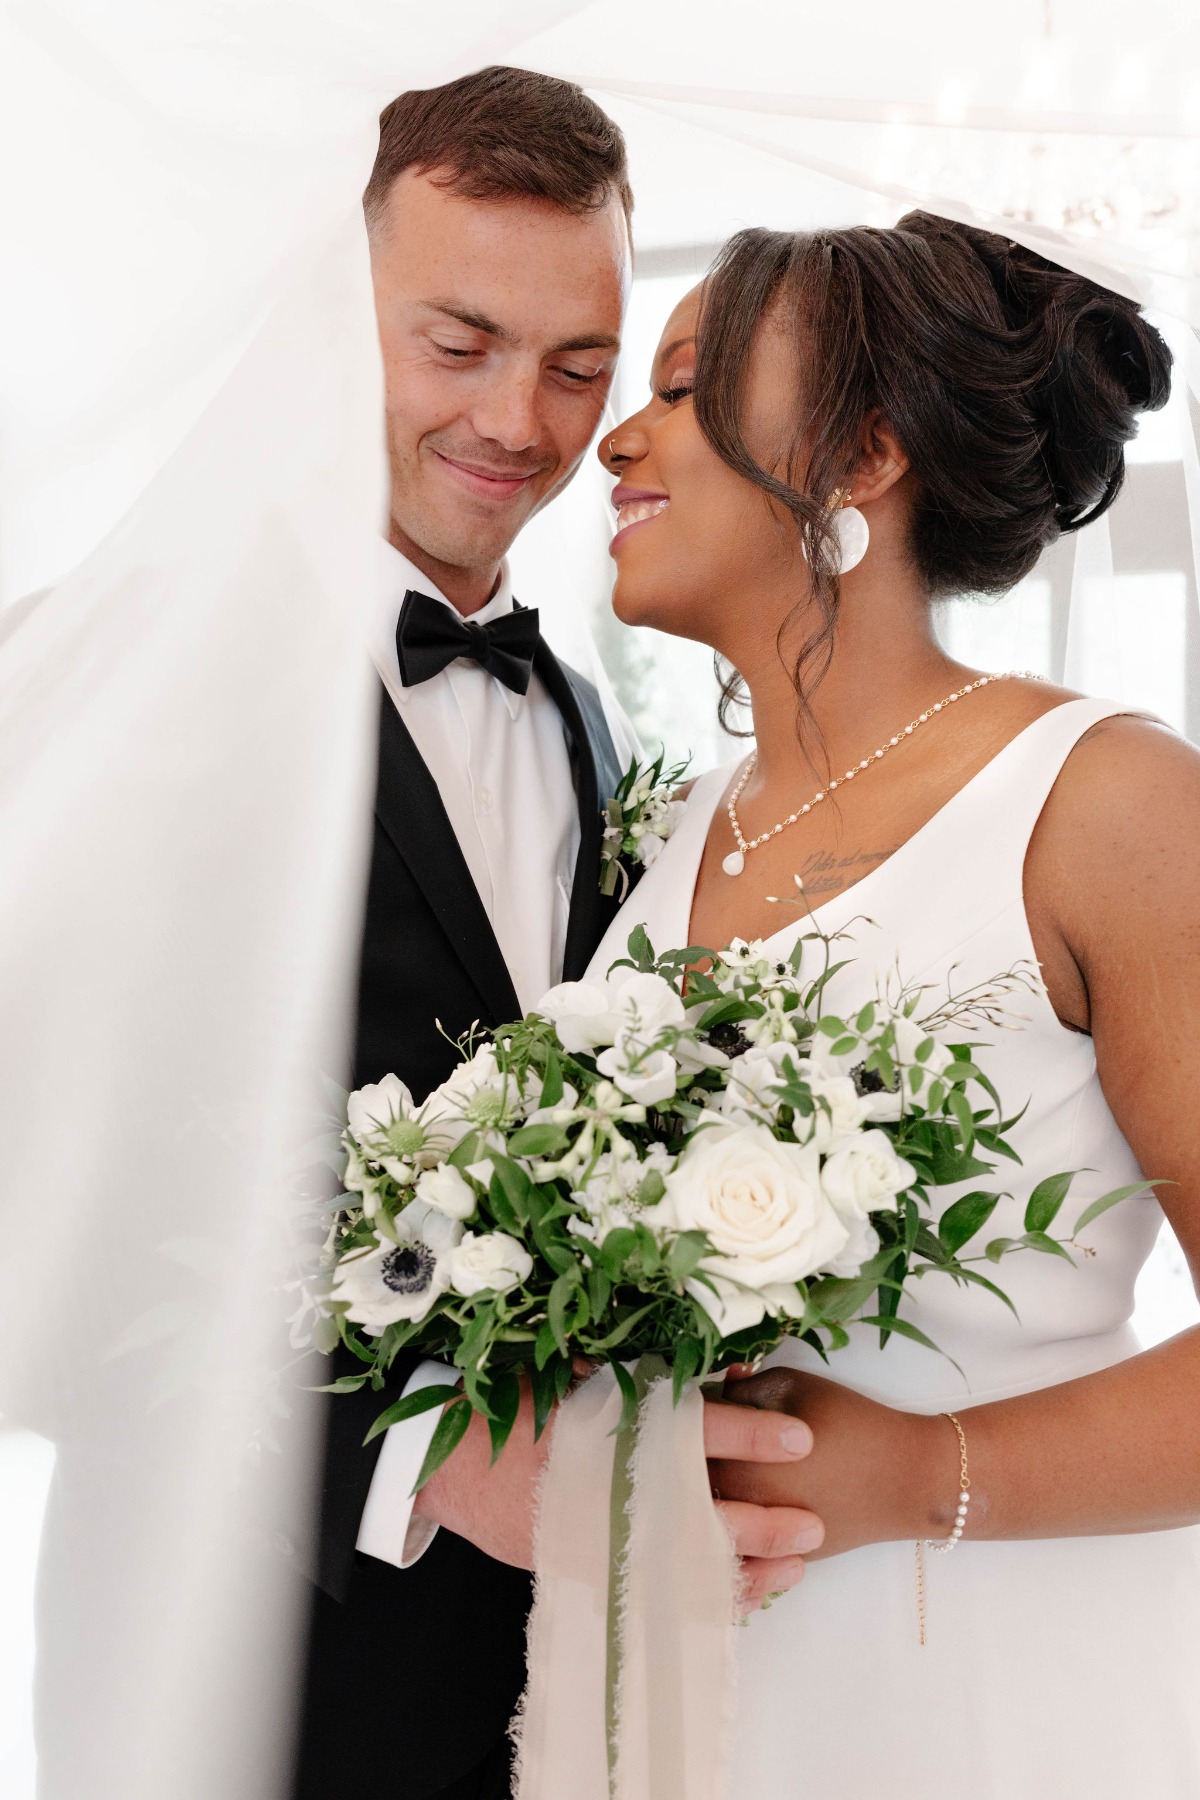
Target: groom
(498, 214)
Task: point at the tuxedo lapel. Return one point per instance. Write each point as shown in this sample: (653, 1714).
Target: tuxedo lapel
(410, 810)
(594, 763)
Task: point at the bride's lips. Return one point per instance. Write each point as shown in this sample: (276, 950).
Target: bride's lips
(636, 506)
(489, 484)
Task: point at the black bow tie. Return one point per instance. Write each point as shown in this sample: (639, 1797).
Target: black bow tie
(430, 635)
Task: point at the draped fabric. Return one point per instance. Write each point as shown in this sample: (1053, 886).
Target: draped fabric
(191, 463)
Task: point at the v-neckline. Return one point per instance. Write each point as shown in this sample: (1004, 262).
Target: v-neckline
(813, 914)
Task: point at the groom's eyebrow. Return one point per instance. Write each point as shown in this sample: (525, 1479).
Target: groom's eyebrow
(480, 322)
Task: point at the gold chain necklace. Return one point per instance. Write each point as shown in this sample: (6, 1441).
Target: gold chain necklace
(735, 862)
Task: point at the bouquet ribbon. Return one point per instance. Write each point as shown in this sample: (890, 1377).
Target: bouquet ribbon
(631, 1638)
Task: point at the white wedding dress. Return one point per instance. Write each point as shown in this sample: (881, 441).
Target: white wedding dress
(1057, 1669)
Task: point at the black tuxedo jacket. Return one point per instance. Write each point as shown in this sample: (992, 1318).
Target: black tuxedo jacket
(413, 1674)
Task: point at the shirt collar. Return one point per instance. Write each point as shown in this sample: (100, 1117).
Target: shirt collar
(398, 576)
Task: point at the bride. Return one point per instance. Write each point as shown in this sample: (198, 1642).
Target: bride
(924, 409)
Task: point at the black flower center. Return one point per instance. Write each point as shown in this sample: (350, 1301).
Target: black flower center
(870, 1081)
(409, 1269)
(730, 1039)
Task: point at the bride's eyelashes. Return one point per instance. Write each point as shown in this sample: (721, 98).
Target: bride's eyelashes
(677, 389)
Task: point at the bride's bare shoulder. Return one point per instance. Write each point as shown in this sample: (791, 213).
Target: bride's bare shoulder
(1124, 814)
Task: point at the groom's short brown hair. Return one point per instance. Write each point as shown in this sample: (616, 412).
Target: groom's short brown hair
(503, 134)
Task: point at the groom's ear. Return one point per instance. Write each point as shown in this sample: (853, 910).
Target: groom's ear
(881, 460)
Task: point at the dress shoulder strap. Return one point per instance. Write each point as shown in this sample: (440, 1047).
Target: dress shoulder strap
(1000, 807)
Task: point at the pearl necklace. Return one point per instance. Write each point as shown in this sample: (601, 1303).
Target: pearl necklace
(735, 862)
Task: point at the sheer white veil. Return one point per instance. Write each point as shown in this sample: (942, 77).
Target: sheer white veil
(192, 468)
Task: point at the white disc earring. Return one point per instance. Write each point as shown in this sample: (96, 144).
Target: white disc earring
(853, 535)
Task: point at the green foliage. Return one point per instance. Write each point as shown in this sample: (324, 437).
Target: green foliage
(610, 1281)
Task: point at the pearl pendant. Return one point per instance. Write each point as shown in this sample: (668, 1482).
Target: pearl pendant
(734, 863)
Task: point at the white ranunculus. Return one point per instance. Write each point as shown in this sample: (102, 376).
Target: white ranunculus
(447, 1192)
(401, 1280)
(760, 1203)
(648, 1078)
(581, 1013)
(865, 1175)
(488, 1261)
(477, 1097)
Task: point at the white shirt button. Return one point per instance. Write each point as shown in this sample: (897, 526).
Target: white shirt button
(484, 797)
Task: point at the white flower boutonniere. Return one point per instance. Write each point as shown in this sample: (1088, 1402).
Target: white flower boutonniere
(640, 818)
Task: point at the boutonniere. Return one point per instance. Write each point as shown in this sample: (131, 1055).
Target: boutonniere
(639, 819)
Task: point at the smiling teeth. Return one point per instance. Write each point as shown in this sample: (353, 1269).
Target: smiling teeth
(634, 511)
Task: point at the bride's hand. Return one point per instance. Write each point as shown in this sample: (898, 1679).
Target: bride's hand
(870, 1465)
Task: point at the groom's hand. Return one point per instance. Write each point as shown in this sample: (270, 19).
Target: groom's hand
(491, 1504)
(772, 1541)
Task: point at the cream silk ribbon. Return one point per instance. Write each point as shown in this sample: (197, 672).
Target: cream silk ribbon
(673, 1611)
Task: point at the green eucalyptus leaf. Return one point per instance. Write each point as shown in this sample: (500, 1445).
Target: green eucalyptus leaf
(552, 1080)
(629, 1399)
(541, 1380)
(539, 1140)
(1038, 1240)
(959, 1223)
(411, 1404)
(689, 1354)
(450, 1429)
(1094, 1210)
(1045, 1201)
(505, 1401)
(345, 1384)
(561, 1296)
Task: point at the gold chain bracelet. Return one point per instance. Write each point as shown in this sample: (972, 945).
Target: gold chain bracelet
(943, 1546)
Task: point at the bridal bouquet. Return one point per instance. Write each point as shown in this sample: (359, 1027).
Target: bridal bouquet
(689, 1160)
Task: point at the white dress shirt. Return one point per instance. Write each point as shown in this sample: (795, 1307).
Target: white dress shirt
(502, 765)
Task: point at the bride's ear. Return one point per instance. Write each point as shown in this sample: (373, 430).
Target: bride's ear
(881, 460)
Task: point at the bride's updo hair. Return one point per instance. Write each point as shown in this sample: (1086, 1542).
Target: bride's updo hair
(1012, 384)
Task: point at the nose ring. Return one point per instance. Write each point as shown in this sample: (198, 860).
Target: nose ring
(611, 451)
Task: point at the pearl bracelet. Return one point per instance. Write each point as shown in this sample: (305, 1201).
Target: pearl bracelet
(945, 1545)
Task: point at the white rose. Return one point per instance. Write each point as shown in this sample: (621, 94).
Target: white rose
(489, 1262)
(730, 1307)
(861, 1245)
(865, 1175)
(748, 1098)
(447, 1192)
(647, 1079)
(760, 1203)
(401, 1280)
(846, 1110)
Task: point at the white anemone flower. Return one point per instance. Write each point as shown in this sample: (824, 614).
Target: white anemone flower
(401, 1280)
(389, 1130)
(479, 1097)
